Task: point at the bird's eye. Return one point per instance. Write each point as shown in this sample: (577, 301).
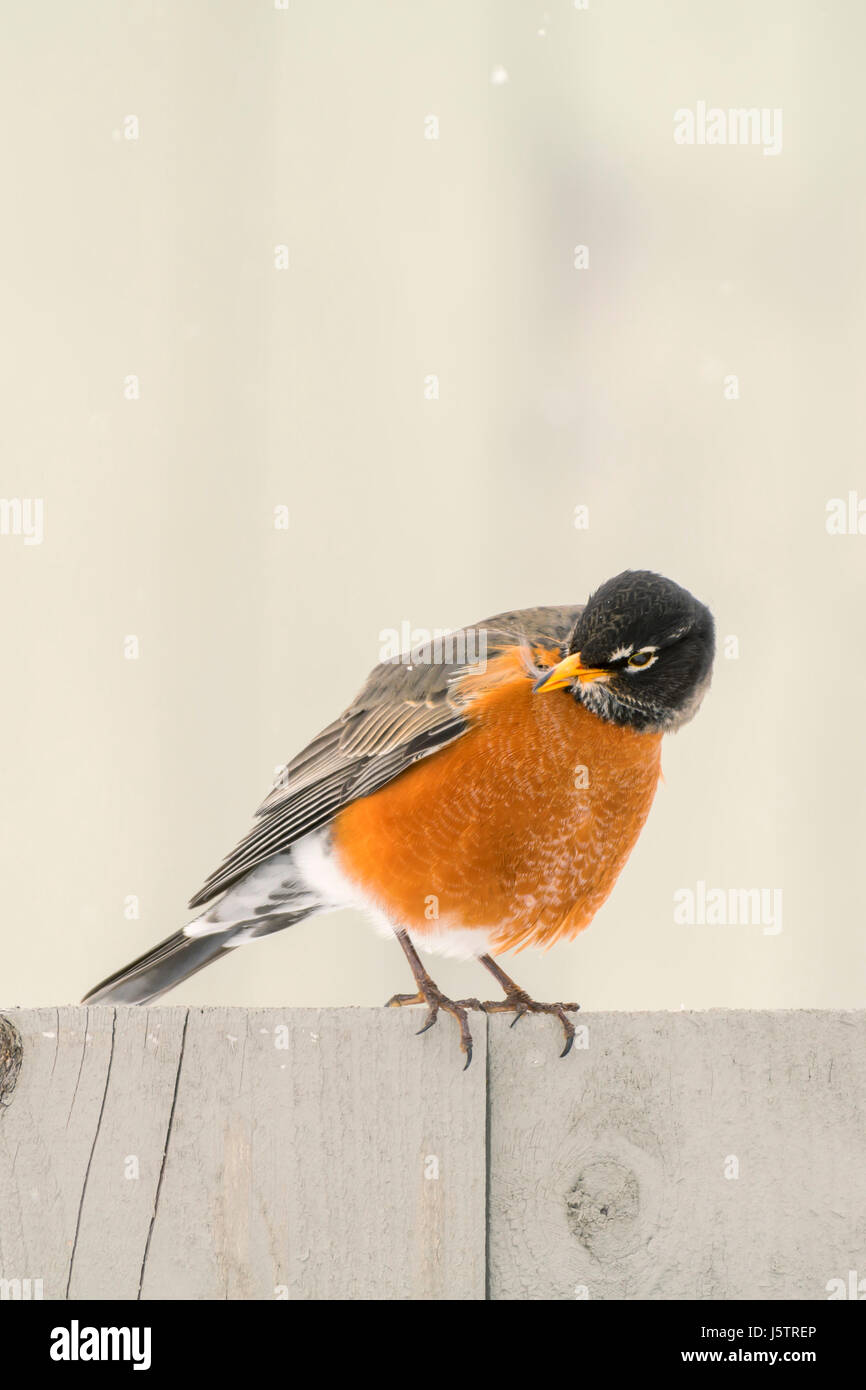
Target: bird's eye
(642, 658)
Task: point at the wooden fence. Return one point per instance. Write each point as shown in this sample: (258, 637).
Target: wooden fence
(322, 1154)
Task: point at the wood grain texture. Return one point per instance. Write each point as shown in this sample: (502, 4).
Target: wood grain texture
(614, 1177)
(328, 1154)
(296, 1153)
(91, 1103)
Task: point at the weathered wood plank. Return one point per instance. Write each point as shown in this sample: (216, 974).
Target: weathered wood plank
(612, 1172)
(81, 1143)
(237, 1153)
(297, 1153)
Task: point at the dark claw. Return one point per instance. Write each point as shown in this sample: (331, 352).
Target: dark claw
(429, 993)
(520, 1003)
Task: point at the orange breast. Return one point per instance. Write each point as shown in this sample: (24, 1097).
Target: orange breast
(521, 826)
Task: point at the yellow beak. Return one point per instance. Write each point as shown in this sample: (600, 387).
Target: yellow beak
(571, 669)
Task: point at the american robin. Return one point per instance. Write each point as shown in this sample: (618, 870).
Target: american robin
(476, 797)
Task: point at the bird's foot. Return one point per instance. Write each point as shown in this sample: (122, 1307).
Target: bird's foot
(520, 1003)
(435, 1000)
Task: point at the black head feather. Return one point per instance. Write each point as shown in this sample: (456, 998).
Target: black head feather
(655, 643)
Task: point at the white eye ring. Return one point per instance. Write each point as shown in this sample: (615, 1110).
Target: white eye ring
(650, 652)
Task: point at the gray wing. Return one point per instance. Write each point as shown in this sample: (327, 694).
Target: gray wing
(402, 713)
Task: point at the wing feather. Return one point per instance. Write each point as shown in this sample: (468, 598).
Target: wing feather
(404, 711)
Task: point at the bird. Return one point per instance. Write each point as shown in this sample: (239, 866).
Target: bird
(481, 794)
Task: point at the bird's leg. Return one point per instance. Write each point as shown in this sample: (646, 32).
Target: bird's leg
(430, 994)
(521, 1003)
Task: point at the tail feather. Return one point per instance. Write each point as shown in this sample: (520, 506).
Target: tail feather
(270, 898)
(172, 961)
(182, 954)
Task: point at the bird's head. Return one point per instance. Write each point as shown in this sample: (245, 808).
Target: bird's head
(640, 654)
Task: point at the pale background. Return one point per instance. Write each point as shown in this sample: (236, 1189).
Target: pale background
(601, 387)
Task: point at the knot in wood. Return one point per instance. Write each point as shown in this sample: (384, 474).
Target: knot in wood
(603, 1205)
(11, 1053)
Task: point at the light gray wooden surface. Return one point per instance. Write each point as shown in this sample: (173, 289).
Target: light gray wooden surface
(279, 1153)
(243, 1153)
(685, 1156)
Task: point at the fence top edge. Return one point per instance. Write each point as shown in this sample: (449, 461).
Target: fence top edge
(344, 1010)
